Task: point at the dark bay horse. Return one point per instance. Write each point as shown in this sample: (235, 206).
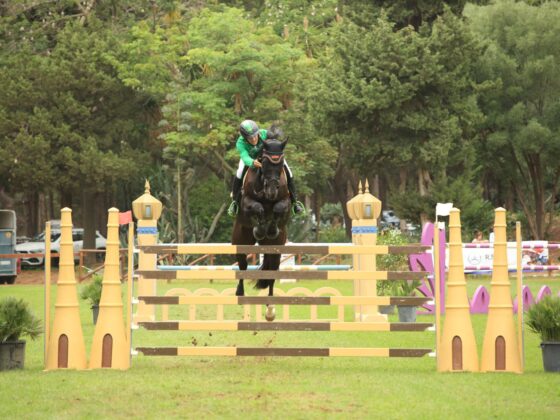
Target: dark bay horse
(264, 213)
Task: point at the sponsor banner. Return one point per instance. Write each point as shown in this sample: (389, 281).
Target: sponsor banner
(478, 259)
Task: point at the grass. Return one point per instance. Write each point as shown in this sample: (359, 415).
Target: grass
(253, 387)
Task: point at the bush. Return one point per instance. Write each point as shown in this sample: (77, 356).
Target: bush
(17, 320)
(543, 318)
(92, 291)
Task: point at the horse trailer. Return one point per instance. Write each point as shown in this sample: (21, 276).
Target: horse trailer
(9, 267)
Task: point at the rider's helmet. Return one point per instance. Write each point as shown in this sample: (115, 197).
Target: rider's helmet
(248, 129)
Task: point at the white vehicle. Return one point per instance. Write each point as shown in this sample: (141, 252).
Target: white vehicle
(37, 246)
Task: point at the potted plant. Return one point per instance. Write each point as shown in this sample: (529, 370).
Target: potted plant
(543, 318)
(16, 321)
(384, 288)
(91, 292)
(406, 288)
(390, 262)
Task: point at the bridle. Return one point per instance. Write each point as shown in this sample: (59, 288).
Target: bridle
(275, 158)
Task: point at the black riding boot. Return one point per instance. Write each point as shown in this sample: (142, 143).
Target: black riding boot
(297, 206)
(236, 196)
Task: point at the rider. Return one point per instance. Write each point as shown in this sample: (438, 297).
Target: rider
(249, 145)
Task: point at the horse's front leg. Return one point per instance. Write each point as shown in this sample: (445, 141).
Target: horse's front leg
(242, 262)
(255, 211)
(280, 215)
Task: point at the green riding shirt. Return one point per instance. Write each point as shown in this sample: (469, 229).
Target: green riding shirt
(247, 151)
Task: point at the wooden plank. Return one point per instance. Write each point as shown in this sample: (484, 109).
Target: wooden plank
(409, 300)
(285, 351)
(409, 352)
(408, 249)
(359, 352)
(302, 248)
(158, 351)
(281, 274)
(284, 300)
(160, 325)
(258, 351)
(410, 326)
(207, 351)
(406, 275)
(160, 300)
(284, 326)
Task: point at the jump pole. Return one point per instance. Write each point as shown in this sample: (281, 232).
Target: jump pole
(437, 291)
(130, 279)
(519, 294)
(47, 289)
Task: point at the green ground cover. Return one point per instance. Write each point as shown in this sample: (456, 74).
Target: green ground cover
(253, 387)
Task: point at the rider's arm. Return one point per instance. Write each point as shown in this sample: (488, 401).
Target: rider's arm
(243, 150)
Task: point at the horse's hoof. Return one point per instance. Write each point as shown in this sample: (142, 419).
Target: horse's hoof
(259, 234)
(270, 313)
(273, 232)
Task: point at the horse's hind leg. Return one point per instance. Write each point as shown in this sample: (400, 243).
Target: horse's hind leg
(242, 262)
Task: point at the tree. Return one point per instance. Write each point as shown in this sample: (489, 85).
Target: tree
(398, 102)
(520, 137)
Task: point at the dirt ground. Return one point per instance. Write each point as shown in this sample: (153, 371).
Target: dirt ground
(36, 276)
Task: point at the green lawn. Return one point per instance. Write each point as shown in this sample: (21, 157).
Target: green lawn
(278, 387)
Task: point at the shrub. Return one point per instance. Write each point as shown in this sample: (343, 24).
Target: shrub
(543, 318)
(17, 320)
(92, 291)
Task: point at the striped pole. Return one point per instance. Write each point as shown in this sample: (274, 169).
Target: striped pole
(284, 326)
(270, 274)
(285, 300)
(253, 267)
(286, 351)
(294, 248)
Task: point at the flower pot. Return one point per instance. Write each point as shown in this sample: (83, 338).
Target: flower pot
(95, 311)
(387, 309)
(12, 355)
(407, 313)
(551, 356)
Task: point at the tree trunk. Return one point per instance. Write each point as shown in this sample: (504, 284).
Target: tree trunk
(88, 221)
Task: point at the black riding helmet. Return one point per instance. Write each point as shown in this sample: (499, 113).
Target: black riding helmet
(248, 129)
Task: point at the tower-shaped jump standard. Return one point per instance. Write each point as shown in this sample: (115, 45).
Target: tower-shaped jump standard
(109, 348)
(458, 345)
(66, 347)
(364, 210)
(147, 209)
(500, 350)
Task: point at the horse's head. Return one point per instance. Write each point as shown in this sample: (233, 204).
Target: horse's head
(272, 164)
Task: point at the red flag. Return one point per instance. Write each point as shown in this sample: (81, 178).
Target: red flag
(125, 217)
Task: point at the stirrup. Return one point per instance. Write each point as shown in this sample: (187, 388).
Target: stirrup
(233, 209)
(303, 210)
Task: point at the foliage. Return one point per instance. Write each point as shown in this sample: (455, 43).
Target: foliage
(543, 318)
(17, 320)
(405, 287)
(519, 137)
(476, 213)
(332, 234)
(392, 262)
(91, 291)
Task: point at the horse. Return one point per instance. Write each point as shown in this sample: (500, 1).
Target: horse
(264, 213)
